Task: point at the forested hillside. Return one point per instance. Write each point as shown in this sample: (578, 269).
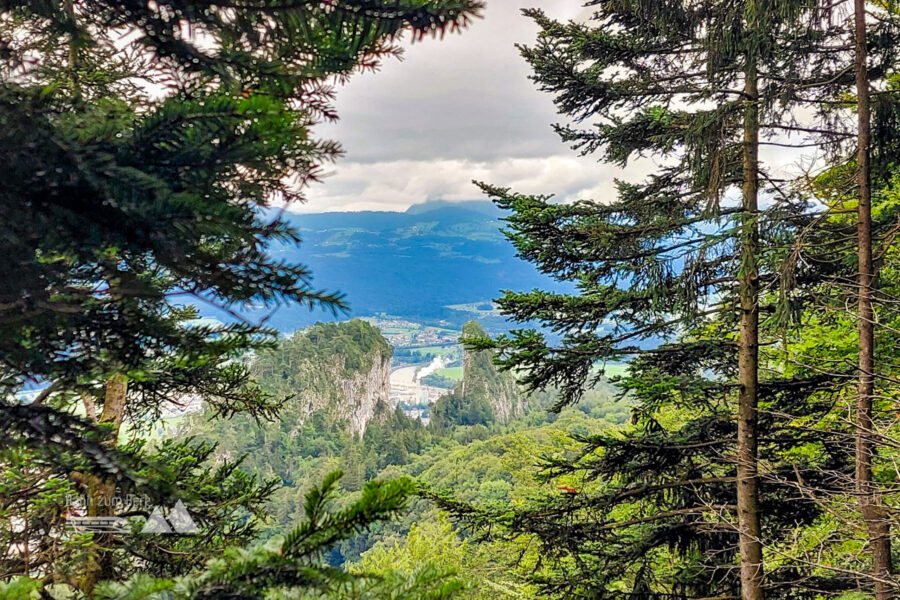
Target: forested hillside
(338, 372)
(415, 264)
(484, 395)
(324, 376)
(494, 460)
(677, 379)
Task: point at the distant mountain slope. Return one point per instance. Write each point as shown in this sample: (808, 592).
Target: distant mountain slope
(411, 264)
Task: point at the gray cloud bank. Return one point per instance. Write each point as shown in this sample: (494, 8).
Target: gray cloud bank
(454, 110)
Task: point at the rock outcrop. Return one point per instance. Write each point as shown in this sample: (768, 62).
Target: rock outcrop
(340, 371)
(482, 380)
(367, 395)
(484, 396)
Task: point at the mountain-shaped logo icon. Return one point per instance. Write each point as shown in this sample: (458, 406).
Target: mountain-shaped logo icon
(181, 519)
(156, 523)
(178, 520)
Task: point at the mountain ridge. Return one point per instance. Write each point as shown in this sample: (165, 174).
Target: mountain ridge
(413, 264)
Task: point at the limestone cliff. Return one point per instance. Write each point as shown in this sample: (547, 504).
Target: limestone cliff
(483, 381)
(484, 396)
(339, 371)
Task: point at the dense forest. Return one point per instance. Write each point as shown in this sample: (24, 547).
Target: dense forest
(499, 452)
(748, 448)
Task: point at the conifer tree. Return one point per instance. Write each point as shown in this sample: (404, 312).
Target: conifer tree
(291, 567)
(873, 515)
(122, 201)
(675, 273)
(145, 145)
(826, 340)
(867, 162)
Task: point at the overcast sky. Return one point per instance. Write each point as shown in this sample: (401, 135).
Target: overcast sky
(451, 111)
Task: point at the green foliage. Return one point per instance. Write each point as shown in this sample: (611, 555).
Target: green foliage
(439, 380)
(20, 588)
(498, 461)
(484, 396)
(457, 409)
(120, 204)
(314, 372)
(434, 542)
(39, 494)
(293, 567)
(660, 276)
(355, 345)
(123, 205)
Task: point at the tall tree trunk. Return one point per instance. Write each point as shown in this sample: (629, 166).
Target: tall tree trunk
(748, 343)
(114, 404)
(873, 515)
(101, 492)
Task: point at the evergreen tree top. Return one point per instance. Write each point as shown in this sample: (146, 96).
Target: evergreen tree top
(148, 147)
(126, 203)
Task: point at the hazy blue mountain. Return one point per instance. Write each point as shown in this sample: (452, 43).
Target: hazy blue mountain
(412, 264)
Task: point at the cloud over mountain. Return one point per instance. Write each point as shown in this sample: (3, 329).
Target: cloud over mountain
(450, 112)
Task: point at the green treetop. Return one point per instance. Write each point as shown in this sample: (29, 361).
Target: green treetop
(674, 273)
(147, 147)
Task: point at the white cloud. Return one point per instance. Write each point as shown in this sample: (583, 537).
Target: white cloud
(453, 110)
(465, 96)
(459, 109)
(397, 184)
